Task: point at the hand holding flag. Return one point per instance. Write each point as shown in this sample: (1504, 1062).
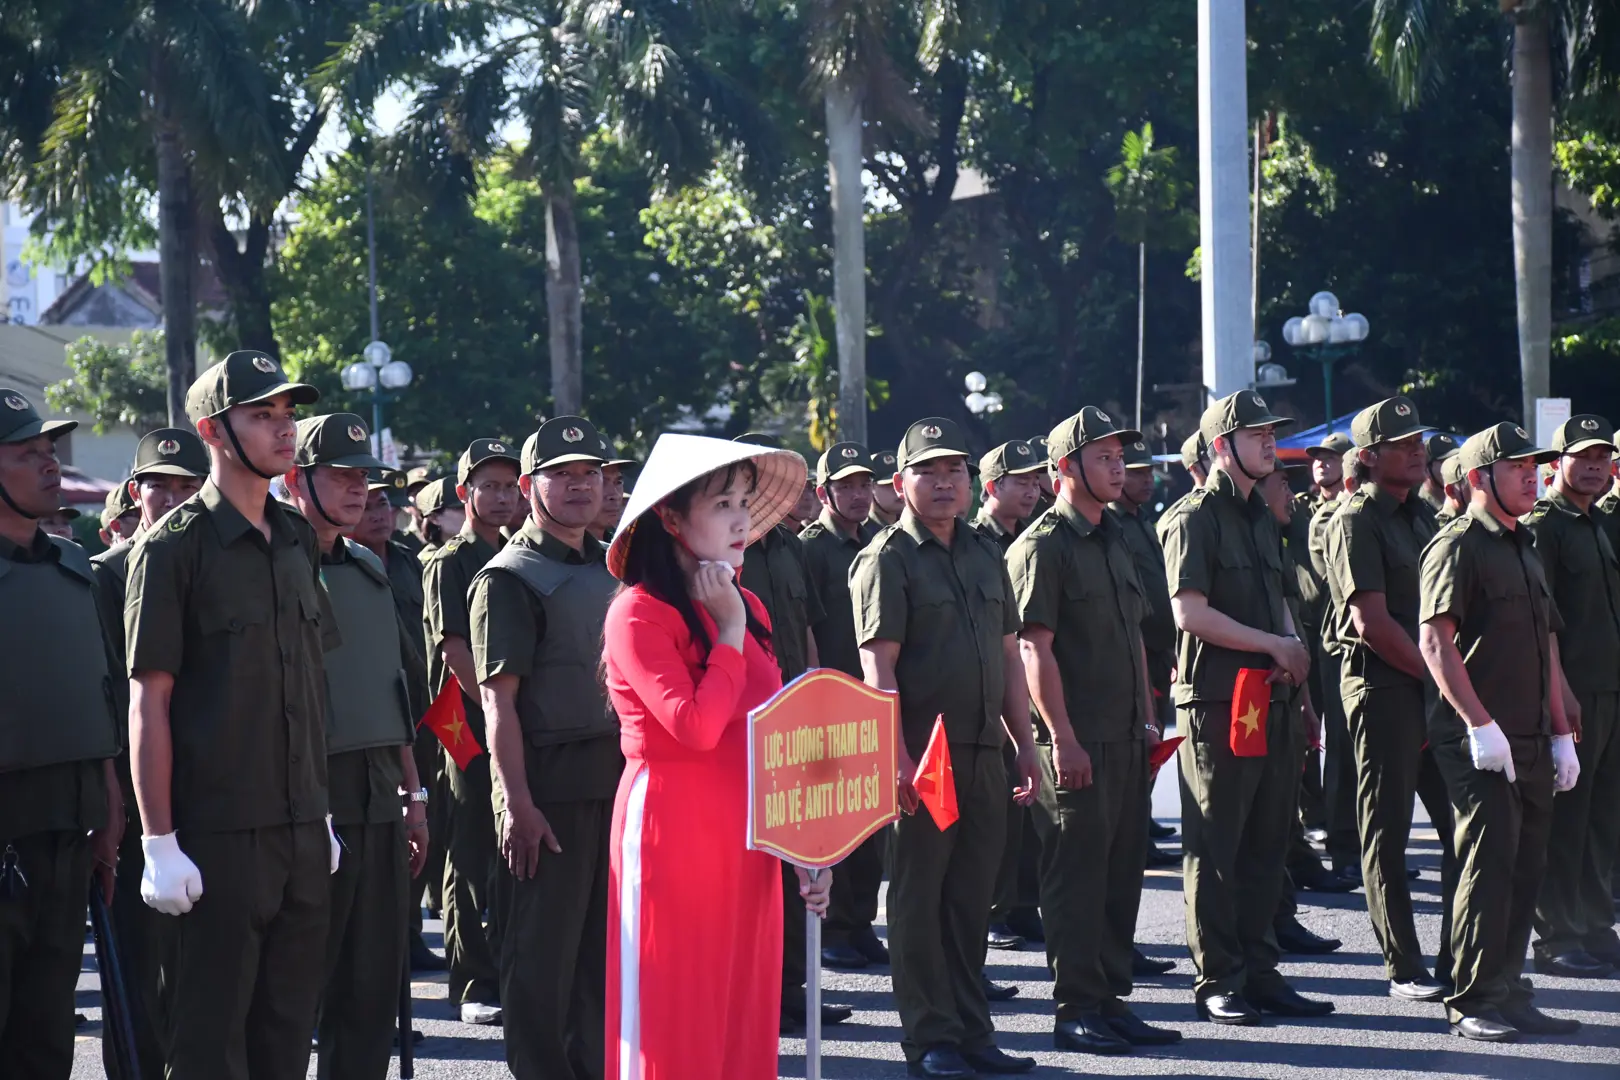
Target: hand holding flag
(934, 781)
(1251, 707)
(447, 719)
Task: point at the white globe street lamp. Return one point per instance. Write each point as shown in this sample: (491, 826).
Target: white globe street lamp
(1327, 335)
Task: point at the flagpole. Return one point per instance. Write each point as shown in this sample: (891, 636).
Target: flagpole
(812, 992)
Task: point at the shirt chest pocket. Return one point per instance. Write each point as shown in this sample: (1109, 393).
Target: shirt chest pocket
(230, 617)
(990, 612)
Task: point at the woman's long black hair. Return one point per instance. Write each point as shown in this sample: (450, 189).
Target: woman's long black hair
(651, 561)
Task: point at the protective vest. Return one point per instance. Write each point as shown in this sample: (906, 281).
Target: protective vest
(56, 692)
(562, 700)
(367, 704)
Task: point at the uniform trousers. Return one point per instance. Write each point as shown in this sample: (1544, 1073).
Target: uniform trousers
(472, 886)
(853, 906)
(139, 930)
(365, 952)
(1576, 905)
(41, 951)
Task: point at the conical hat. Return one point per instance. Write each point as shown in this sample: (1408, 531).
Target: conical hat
(677, 460)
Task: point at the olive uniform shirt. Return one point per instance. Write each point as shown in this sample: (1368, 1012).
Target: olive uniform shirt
(1489, 579)
(445, 581)
(949, 608)
(1230, 549)
(1579, 558)
(1159, 627)
(1375, 545)
(70, 796)
(774, 570)
(1333, 613)
(363, 785)
(241, 623)
(510, 622)
(828, 554)
(992, 530)
(1608, 516)
(1079, 581)
(405, 578)
(111, 568)
(407, 540)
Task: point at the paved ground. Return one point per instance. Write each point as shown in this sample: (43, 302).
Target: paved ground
(1371, 1036)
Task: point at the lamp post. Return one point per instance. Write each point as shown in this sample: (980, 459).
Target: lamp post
(978, 402)
(379, 372)
(1327, 336)
(1268, 375)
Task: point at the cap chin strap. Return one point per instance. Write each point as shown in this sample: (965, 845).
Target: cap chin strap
(224, 419)
(19, 511)
(309, 483)
(1086, 480)
(1490, 478)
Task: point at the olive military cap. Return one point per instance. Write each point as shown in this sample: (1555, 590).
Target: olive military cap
(1451, 470)
(19, 422)
(437, 495)
(479, 451)
(1138, 456)
(1441, 446)
(1501, 442)
(1038, 444)
(242, 378)
(170, 452)
(1333, 445)
(1013, 458)
(118, 504)
(1194, 452)
(560, 440)
(337, 439)
(610, 457)
(930, 438)
(396, 483)
(1086, 426)
(1234, 412)
(1391, 419)
(840, 460)
(67, 513)
(417, 479)
(1581, 433)
(884, 466)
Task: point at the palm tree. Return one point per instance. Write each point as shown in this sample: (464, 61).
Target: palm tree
(1406, 38)
(560, 69)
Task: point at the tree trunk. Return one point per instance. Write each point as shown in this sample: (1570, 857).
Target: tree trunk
(564, 304)
(243, 273)
(849, 256)
(1532, 203)
(177, 252)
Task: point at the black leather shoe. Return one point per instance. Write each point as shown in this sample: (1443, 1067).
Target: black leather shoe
(1421, 988)
(1413, 873)
(1576, 964)
(996, 991)
(1138, 1032)
(1028, 925)
(1316, 834)
(1157, 831)
(1286, 1001)
(1326, 881)
(1158, 858)
(867, 943)
(424, 958)
(1608, 952)
(1488, 1026)
(834, 1014)
(1532, 1021)
(1228, 1009)
(1089, 1033)
(843, 956)
(1350, 872)
(941, 1063)
(993, 1059)
(1294, 938)
(1145, 966)
(1001, 936)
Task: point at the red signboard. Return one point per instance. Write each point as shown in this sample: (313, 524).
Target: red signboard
(821, 768)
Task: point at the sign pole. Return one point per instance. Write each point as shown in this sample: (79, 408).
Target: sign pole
(812, 991)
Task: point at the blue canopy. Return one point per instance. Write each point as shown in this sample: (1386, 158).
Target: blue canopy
(1303, 440)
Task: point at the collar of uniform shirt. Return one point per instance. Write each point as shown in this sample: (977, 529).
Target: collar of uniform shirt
(1496, 528)
(1562, 502)
(553, 547)
(1223, 485)
(826, 521)
(1077, 521)
(39, 549)
(1386, 502)
(914, 528)
(230, 525)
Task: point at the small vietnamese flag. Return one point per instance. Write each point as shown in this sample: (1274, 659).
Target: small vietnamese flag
(934, 780)
(1251, 705)
(447, 719)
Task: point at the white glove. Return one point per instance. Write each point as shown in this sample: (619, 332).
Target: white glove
(1490, 750)
(1566, 763)
(171, 882)
(337, 848)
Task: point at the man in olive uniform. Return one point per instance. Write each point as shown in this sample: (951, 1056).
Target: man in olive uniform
(613, 492)
(1575, 912)
(170, 466)
(1046, 478)
(1082, 607)
(1374, 546)
(1327, 480)
(1223, 563)
(537, 614)
(937, 621)
(443, 514)
(1010, 479)
(1457, 494)
(120, 517)
(1499, 733)
(487, 485)
(226, 625)
(844, 486)
(1439, 446)
(61, 810)
(886, 500)
(370, 677)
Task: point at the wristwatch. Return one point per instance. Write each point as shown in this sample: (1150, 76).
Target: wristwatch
(420, 795)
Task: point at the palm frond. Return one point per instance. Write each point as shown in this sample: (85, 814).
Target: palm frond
(1405, 42)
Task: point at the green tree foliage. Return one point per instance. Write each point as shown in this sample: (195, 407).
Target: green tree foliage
(115, 385)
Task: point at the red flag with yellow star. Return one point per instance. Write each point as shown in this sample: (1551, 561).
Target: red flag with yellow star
(448, 720)
(934, 780)
(1251, 705)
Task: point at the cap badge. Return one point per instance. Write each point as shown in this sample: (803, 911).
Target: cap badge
(265, 364)
(1402, 409)
(602, 441)
(1104, 417)
(497, 448)
(1138, 446)
(572, 435)
(168, 447)
(1521, 433)
(1259, 402)
(1589, 424)
(850, 451)
(401, 480)
(15, 401)
(1023, 451)
(931, 431)
(357, 433)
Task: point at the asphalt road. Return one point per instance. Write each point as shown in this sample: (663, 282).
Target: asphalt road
(1371, 1036)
